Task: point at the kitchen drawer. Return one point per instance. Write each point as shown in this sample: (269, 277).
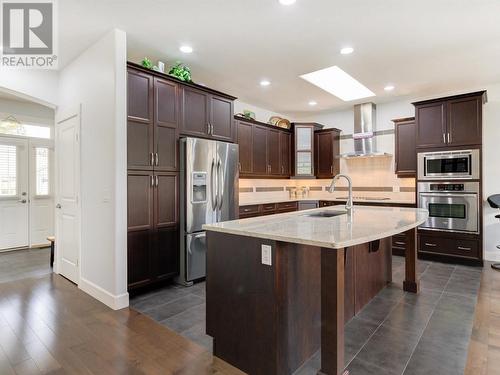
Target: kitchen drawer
(449, 246)
(249, 210)
(269, 207)
(399, 241)
(289, 206)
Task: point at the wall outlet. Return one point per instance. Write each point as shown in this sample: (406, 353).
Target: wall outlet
(267, 255)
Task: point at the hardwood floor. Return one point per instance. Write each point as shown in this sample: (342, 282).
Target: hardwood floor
(49, 326)
(21, 264)
(484, 347)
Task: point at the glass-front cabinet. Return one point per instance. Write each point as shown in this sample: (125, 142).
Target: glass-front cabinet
(304, 149)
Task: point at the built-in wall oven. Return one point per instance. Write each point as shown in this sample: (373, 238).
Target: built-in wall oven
(453, 206)
(449, 165)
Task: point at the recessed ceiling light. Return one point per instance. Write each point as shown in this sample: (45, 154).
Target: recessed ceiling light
(337, 82)
(347, 50)
(265, 82)
(186, 49)
(389, 88)
(287, 2)
(312, 103)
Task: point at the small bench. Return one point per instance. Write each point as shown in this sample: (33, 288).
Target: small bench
(52, 241)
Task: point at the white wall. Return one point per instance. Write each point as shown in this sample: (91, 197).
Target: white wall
(384, 170)
(97, 81)
(261, 114)
(39, 86)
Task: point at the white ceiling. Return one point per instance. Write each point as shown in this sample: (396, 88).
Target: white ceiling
(423, 47)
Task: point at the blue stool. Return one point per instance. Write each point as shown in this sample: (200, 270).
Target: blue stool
(494, 202)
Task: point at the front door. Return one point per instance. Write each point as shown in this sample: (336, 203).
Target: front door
(14, 208)
(67, 198)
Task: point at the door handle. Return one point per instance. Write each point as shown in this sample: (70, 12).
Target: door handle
(449, 137)
(152, 159)
(331, 169)
(430, 244)
(212, 188)
(22, 201)
(157, 159)
(211, 129)
(208, 128)
(152, 181)
(58, 206)
(444, 138)
(464, 248)
(220, 184)
(157, 181)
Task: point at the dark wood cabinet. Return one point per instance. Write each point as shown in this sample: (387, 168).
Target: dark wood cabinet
(303, 155)
(264, 150)
(256, 210)
(285, 153)
(273, 152)
(160, 109)
(450, 121)
(405, 153)
(327, 149)
(245, 146)
(206, 115)
(221, 118)
(464, 121)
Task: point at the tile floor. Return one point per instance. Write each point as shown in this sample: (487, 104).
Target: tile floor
(22, 264)
(396, 333)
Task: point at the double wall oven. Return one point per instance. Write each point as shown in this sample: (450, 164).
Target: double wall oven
(452, 201)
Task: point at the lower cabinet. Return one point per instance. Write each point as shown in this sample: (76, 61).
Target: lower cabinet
(153, 227)
(449, 245)
(256, 210)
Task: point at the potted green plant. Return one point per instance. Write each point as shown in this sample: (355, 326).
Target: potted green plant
(181, 71)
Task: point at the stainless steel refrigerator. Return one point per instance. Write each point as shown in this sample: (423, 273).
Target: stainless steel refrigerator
(209, 194)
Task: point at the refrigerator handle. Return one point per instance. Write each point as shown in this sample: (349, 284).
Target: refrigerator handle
(213, 190)
(220, 183)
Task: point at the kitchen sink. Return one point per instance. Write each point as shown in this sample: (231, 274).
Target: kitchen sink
(327, 213)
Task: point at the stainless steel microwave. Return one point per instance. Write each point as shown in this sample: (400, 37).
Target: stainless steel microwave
(448, 165)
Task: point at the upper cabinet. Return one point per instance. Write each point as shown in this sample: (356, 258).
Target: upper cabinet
(206, 115)
(451, 121)
(303, 149)
(264, 150)
(327, 149)
(405, 154)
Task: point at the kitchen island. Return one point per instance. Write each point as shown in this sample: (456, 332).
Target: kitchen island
(280, 287)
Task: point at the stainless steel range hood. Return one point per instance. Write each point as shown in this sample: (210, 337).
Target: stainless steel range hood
(365, 141)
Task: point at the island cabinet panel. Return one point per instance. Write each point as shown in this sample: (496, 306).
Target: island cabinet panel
(450, 121)
(405, 155)
(276, 309)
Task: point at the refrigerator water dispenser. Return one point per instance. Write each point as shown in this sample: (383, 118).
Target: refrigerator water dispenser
(199, 187)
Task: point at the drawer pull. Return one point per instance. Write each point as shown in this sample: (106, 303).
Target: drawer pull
(247, 209)
(400, 243)
(464, 248)
(430, 244)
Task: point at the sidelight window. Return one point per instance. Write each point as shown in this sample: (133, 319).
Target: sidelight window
(8, 171)
(42, 171)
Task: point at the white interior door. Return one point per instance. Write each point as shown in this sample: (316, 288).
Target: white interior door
(14, 208)
(67, 195)
(41, 191)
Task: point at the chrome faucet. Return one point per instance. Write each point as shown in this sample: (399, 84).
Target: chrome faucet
(348, 205)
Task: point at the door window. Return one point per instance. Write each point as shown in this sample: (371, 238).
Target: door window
(42, 171)
(8, 171)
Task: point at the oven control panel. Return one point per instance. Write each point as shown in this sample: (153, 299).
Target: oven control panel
(447, 187)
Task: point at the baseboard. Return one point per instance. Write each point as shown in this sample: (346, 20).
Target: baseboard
(116, 302)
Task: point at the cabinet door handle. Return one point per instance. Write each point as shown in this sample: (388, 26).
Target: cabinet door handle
(157, 159)
(211, 129)
(331, 169)
(157, 181)
(464, 248)
(444, 138)
(208, 128)
(152, 181)
(239, 167)
(151, 159)
(247, 209)
(449, 138)
(430, 244)
(282, 170)
(400, 243)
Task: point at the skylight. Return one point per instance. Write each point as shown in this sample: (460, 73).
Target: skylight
(337, 82)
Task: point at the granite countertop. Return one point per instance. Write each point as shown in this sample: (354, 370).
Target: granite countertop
(368, 223)
(249, 202)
